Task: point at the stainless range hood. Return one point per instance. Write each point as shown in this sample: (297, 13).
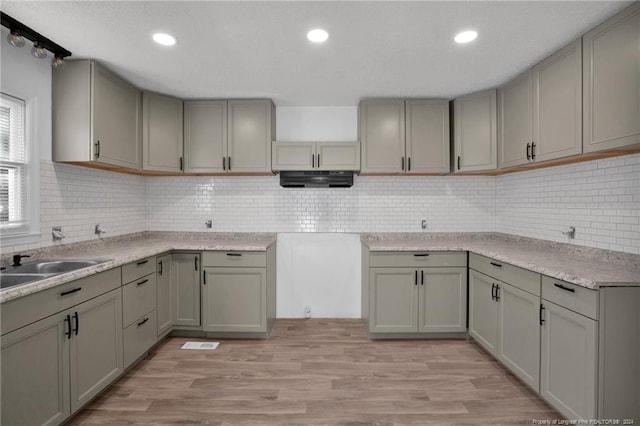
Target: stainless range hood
(316, 179)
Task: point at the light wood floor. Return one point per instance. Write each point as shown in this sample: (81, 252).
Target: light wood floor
(318, 371)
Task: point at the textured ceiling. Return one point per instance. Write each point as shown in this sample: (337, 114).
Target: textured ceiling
(259, 49)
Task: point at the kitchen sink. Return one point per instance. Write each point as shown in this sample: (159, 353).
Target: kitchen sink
(41, 269)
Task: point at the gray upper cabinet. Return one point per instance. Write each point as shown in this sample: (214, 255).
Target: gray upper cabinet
(516, 121)
(205, 136)
(229, 136)
(319, 156)
(475, 132)
(611, 89)
(540, 110)
(96, 116)
(251, 128)
(401, 136)
(427, 136)
(381, 133)
(162, 133)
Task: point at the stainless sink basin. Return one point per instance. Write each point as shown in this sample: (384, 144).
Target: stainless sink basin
(41, 269)
(52, 266)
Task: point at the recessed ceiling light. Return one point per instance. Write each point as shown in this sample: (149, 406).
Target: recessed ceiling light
(465, 37)
(164, 39)
(318, 35)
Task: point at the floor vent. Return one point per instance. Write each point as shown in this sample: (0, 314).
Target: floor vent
(201, 345)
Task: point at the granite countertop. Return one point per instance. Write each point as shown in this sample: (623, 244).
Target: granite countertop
(130, 248)
(588, 267)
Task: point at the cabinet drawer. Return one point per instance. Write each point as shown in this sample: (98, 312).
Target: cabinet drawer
(139, 337)
(134, 270)
(138, 298)
(571, 296)
(25, 310)
(417, 259)
(234, 258)
(522, 278)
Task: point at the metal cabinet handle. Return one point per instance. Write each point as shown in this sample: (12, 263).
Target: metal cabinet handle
(68, 321)
(493, 291)
(204, 278)
(313, 161)
(75, 316)
(181, 165)
(141, 323)
(421, 254)
(234, 254)
(497, 293)
(415, 279)
(458, 162)
(528, 151)
(97, 152)
(533, 150)
(195, 262)
(402, 164)
(160, 265)
(142, 262)
(409, 164)
(142, 282)
(224, 163)
(496, 264)
(318, 161)
(75, 290)
(569, 289)
(541, 314)
(421, 277)
(229, 162)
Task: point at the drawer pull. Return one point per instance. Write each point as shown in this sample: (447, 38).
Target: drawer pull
(141, 323)
(234, 254)
(496, 264)
(142, 282)
(142, 262)
(569, 289)
(421, 254)
(75, 290)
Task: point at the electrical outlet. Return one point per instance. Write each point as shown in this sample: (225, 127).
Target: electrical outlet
(424, 224)
(307, 312)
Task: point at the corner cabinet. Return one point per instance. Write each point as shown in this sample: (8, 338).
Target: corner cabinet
(315, 156)
(404, 137)
(475, 132)
(611, 75)
(185, 289)
(540, 110)
(162, 133)
(229, 136)
(239, 292)
(405, 293)
(96, 116)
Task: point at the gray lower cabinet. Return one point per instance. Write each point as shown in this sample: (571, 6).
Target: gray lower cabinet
(164, 308)
(611, 76)
(51, 368)
(568, 362)
(234, 299)
(185, 283)
(406, 292)
(483, 311)
(139, 302)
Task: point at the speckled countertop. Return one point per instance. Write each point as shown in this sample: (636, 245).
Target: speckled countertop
(129, 248)
(584, 266)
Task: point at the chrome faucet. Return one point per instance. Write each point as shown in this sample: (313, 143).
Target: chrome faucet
(57, 234)
(99, 230)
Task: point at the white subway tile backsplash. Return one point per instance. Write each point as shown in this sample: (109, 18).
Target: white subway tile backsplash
(600, 198)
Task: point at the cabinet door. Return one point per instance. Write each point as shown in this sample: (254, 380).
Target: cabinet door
(382, 135)
(516, 121)
(235, 299)
(475, 132)
(443, 300)
(519, 328)
(96, 357)
(163, 293)
(427, 137)
(338, 156)
(115, 120)
(393, 300)
(568, 362)
(205, 136)
(161, 133)
(251, 131)
(611, 90)
(293, 156)
(35, 374)
(185, 281)
(483, 311)
(557, 106)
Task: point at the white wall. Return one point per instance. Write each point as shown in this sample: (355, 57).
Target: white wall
(600, 198)
(316, 124)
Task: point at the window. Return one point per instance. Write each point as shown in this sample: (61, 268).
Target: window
(14, 217)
